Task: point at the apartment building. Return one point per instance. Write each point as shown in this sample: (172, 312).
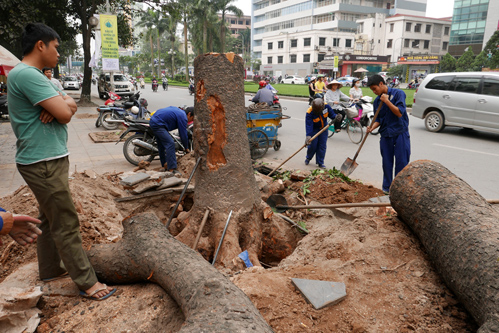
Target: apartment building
(473, 23)
(295, 36)
(237, 24)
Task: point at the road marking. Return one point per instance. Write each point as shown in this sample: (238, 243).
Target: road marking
(464, 149)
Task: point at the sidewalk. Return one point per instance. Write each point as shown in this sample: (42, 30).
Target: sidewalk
(84, 153)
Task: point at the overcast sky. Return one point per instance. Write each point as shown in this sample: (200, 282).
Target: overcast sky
(434, 8)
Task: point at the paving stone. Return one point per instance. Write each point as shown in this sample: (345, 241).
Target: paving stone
(169, 182)
(135, 179)
(146, 185)
(90, 174)
(384, 198)
(321, 293)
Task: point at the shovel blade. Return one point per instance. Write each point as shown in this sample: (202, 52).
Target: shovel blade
(348, 167)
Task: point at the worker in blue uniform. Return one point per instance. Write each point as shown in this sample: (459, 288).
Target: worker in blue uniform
(315, 120)
(393, 123)
(166, 120)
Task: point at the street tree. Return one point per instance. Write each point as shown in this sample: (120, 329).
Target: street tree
(224, 7)
(465, 62)
(481, 61)
(492, 48)
(448, 63)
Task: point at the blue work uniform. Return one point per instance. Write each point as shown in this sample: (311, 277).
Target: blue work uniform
(313, 124)
(162, 122)
(395, 141)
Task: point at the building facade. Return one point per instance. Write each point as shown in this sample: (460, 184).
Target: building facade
(473, 23)
(237, 24)
(295, 36)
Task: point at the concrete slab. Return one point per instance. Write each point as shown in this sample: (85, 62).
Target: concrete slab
(384, 198)
(135, 179)
(321, 293)
(169, 182)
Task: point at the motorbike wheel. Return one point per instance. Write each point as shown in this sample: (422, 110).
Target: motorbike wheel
(259, 143)
(98, 122)
(105, 116)
(376, 131)
(355, 131)
(134, 154)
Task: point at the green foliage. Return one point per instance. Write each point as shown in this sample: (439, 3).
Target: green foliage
(448, 63)
(303, 225)
(465, 62)
(396, 71)
(481, 61)
(492, 46)
(322, 173)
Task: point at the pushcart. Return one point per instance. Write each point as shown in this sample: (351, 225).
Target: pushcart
(262, 125)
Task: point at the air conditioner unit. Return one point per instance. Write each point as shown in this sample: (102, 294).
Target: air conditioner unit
(316, 47)
(329, 48)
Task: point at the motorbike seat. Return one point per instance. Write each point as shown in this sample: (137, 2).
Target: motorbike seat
(128, 105)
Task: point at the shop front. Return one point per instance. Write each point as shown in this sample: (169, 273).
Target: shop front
(419, 65)
(349, 63)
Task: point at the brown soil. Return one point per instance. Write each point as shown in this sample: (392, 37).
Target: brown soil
(86, 115)
(108, 136)
(391, 285)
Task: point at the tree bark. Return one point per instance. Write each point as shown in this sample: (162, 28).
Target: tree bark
(147, 252)
(460, 232)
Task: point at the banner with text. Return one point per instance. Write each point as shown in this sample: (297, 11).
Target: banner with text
(109, 40)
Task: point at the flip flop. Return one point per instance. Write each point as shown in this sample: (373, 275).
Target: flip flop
(62, 276)
(91, 296)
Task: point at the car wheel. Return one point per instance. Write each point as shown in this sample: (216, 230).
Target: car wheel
(434, 121)
(292, 82)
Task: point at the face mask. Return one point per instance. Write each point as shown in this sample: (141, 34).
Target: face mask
(357, 84)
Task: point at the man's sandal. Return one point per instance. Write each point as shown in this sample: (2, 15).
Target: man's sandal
(91, 296)
(62, 276)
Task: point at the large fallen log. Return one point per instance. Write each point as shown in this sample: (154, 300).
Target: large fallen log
(147, 252)
(460, 232)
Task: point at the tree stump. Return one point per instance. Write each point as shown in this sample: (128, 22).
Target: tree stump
(147, 252)
(460, 232)
(225, 178)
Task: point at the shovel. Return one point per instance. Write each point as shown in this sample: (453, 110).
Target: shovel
(350, 165)
(311, 139)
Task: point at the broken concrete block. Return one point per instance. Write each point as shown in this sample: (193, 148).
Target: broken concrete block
(384, 198)
(135, 179)
(90, 174)
(159, 175)
(146, 185)
(320, 293)
(169, 182)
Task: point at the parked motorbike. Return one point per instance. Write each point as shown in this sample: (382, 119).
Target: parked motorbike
(154, 85)
(366, 112)
(4, 110)
(143, 145)
(111, 116)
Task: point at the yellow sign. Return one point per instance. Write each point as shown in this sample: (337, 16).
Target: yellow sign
(336, 61)
(109, 36)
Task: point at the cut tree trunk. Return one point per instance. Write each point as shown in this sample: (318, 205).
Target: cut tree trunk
(225, 178)
(147, 252)
(460, 232)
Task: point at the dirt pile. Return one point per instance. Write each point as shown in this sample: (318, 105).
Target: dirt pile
(391, 286)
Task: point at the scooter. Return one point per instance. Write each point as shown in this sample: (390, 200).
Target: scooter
(155, 86)
(413, 85)
(366, 112)
(142, 85)
(111, 116)
(165, 85)
(143, 145)
(4, 110)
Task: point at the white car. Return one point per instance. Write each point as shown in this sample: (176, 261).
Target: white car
(71, 82)
(294, 79)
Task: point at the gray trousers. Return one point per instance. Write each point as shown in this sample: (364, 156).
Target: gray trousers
(59, 247)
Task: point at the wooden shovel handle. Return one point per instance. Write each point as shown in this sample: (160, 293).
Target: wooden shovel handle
(365, 138)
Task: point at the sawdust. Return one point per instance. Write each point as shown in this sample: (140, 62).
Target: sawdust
(391, 285)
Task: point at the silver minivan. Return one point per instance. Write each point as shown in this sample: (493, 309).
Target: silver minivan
(468, 99)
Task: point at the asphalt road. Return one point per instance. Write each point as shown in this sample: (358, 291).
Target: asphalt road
(471, 155)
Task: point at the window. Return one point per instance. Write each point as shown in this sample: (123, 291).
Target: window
(406, 42)
(408, 26)
(307, 41)
(428, 29)
(389, 44)
(391, 27)
(336, 42)
(490, 87)
(440, 83)
(466, 84)
(240, 22)
(426, 44)
(417, 27)
(279, 59)
(306, 58)
(415, 44)
(270, 46)
(280, 44)
(292, 58)
(322, 41)
(269, 60)
(348, 43)
(446, 31)
(294, 42)
(232, 21)
(444, 46)
(320, 57)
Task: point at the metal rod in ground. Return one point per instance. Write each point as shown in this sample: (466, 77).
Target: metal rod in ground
(203, 222)
(222, 239)
(183, 193)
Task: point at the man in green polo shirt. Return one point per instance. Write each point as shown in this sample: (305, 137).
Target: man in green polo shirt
(39, 114)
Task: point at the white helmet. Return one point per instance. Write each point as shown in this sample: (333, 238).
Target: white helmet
(313, 78)
(134, 110)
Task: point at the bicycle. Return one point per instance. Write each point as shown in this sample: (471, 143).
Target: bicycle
(353, 127)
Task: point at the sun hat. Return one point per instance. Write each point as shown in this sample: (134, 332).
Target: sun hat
(330, 84)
